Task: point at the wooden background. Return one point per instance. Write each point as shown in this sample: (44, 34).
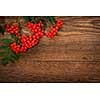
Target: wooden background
(72, 56)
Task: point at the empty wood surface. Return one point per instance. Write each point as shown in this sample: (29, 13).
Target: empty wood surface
(72, 56)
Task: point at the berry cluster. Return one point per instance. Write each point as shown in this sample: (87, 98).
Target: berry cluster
(15, 47)
(59, 23)
(55, 29)
(26, 41)
(41, 24)
(29, 41)
(13, 29)
(32, 40)
(35, 27)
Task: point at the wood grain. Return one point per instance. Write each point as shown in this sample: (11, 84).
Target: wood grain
(72, 56)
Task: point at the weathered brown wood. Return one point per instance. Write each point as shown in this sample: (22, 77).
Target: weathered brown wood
(72, 56)
(82, 24)
(52, 71)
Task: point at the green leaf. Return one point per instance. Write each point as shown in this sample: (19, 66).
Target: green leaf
(13, 55)
(44, 22)
(46, 17)
(12, 60)
(2, 53)
(12, 35)
(5, 60)
(9, 55)
(7, 41)
(32, 19)
(52, 19)
(15, 38)
(2, 30)
(26, 18)
(38, 19)
(4, 47)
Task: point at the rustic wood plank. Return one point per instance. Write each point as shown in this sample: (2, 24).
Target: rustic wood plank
(51, 72)
(81, 24)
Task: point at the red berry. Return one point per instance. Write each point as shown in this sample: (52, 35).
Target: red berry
(12, 32)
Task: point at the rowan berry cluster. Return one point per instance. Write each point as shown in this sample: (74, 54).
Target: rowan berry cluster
(26, 41)
(59, 23)
(55, 29)
(36, 28)
(13, 29)
(32, 40)
(29, 41)
(15, 47)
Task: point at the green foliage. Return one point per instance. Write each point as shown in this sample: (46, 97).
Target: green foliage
(26, 18)
(32, 19)
(44, 22)
(38, 19)
(13, 55)
(2, 30)
(4, 47)
(52, 20)
(7, 54)
(7, 41)
(5, 60)
(2, 53)
(15, 38)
